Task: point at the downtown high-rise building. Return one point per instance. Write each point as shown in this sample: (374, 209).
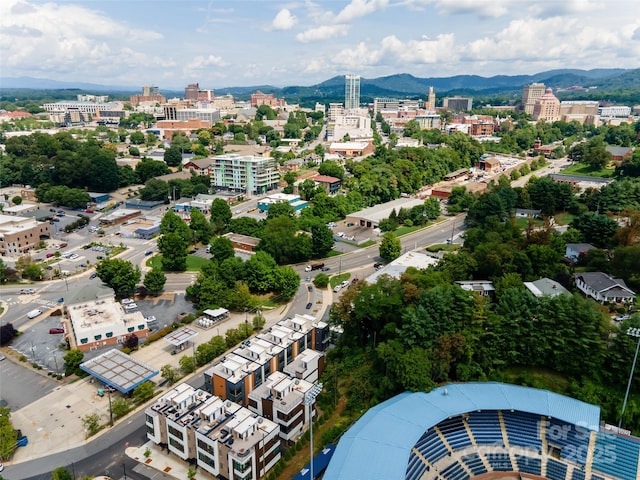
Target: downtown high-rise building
(352, 92)
(530, 96)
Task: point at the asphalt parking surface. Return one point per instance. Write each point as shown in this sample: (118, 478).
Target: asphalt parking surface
(19, 386)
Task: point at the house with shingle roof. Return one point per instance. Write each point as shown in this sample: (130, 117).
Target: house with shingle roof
(604, 288)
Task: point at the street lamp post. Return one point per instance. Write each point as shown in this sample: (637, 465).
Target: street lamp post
(110, 409)
(632, 332)
(309, 399)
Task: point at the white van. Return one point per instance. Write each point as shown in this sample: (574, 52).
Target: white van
(34, 313)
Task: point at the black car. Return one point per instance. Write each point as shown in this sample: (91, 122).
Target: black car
(309, 305)
(324, 269)
(310, 288)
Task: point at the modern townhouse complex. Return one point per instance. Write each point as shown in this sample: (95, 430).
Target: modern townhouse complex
(220, 437)
(249, 365)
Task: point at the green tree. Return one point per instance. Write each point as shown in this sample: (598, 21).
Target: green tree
(321, 280)
(321, 240)
(174, 252)
(33, 271)
(187, 364)
(143, 392)
(154, 280)
(137, 137)
(121, 275)
(331, 169)
(390, 247)
(91, 423)
(8, 434)
(72, 361)
(120, 407)
(286, 282)
(17, 200)
(221, 248)
(200, 227)
(170, 374)
(155, 190)
(172, 223)
(147, 169)
(173, 156)
(220, 216)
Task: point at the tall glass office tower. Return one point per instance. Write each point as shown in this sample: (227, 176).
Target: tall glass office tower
(352, 92)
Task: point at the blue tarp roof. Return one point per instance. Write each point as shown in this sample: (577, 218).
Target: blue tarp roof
(378, 445)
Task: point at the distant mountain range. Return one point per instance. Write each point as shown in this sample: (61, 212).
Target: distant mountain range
(399, 85)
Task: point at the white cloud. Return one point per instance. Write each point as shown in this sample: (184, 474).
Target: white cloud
(480, 8)
(322, 33)
(200, 62)
(396, 53)
(360, 8)
(284, 20)
(69, 40)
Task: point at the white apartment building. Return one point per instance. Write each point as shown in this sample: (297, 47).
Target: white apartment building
(223, 438)
(244, 173)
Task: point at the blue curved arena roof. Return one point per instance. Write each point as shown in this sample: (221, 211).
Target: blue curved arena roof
(378, 445)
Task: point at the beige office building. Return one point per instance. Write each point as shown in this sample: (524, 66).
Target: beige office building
(530, 95)
(547, 107)
(18, 235)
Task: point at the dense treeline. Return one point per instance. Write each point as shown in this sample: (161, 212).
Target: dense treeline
(423, 329)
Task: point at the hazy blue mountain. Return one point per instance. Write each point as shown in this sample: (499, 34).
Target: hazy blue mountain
(399, 85)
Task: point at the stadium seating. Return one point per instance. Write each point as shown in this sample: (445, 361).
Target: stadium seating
(474, 463)
(574, 441)
(455, 471)
(616, 455)
(431, 447)
(528, 464)
(500, 462)
(416, 467)
(556, 470)
(485, 427)
(454, 431)
(523, 429)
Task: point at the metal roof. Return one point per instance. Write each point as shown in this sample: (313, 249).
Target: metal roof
(119, 370)
(180, 336)
(378, 445)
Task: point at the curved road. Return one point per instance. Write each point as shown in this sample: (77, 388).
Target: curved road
(106, 452)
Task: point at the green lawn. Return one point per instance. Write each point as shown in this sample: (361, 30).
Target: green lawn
(586, 170)
(398, 232)
(194, 263)
(524, 222)
(563, 218)
(336, 279)
(442, 246)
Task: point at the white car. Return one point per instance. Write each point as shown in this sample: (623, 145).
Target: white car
(150, 319)
(130, 306)
(127, 300)
(337, 288)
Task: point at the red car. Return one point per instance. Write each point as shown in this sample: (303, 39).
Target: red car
(56, 330)
(88, 210)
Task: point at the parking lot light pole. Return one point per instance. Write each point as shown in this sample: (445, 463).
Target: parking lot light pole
(632, 332)
(110, 409)
(309, 399)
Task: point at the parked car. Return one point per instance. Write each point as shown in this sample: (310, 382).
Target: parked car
(150, 319)
(378, 265)
(127, 300)
(63, 244)
(130, 306)
(620, 318)
(55, 331)
(92, 276)
(88, 210)
(309, 305)
(310, 288)
(49, 255)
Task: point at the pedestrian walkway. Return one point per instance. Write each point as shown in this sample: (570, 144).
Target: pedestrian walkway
(54, 423)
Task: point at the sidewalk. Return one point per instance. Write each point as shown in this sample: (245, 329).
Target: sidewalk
(54, 423)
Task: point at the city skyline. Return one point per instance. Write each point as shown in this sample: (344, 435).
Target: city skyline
(223, 43)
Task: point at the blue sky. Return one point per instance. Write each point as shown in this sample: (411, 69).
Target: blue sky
(216, 43)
